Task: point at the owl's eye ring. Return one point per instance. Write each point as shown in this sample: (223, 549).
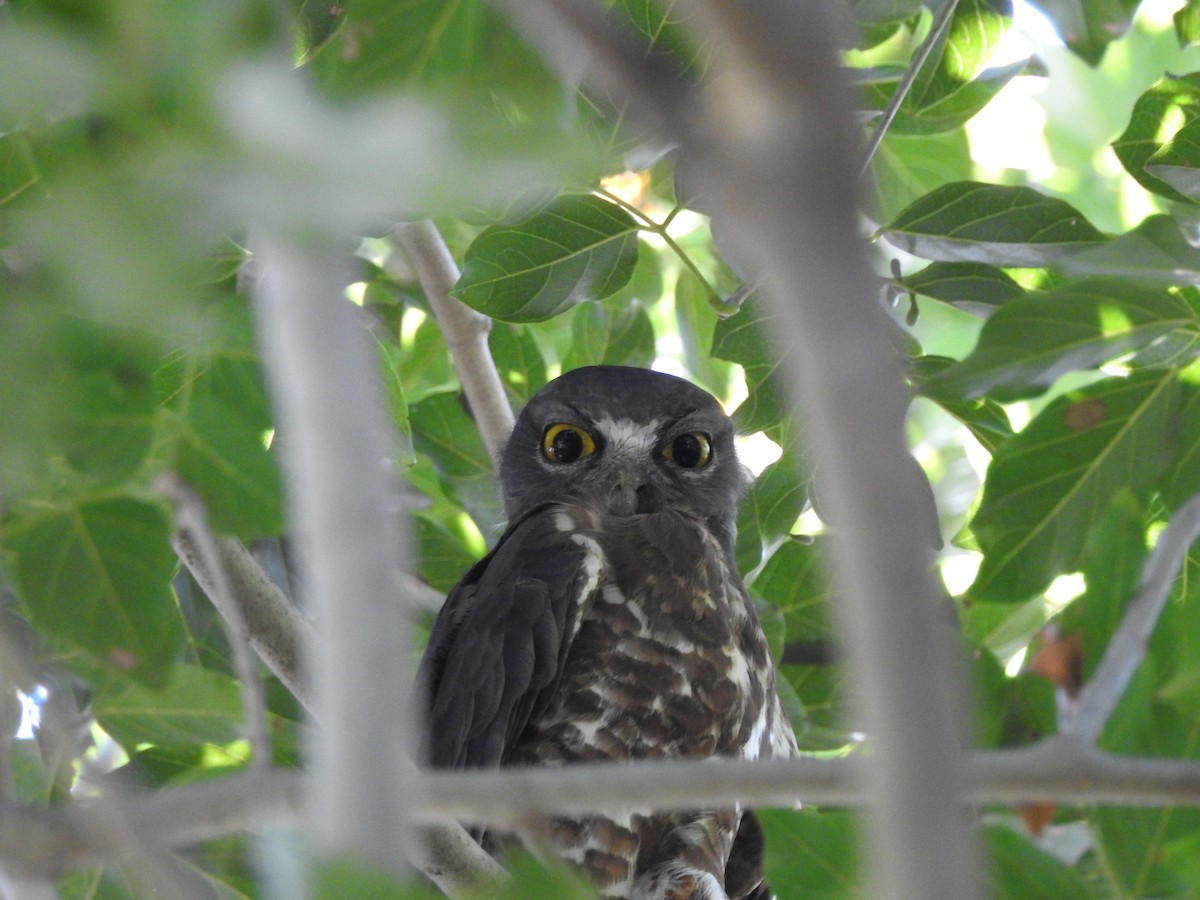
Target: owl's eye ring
(563, 443)
(691, 450)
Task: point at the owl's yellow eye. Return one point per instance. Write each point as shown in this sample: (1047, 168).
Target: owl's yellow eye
(690, 451)
(563, 443)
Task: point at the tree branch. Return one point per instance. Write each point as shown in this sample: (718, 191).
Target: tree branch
(48, 841)
(771, 139)
(1127, 648)
(466, 333)
(192, 520)
(344, 508)
(278, 632)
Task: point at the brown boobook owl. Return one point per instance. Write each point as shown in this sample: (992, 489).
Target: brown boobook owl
(610, 623)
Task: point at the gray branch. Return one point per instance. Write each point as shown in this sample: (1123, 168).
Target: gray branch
(278, 632)
(1127, 648)
(191, 520)
(344, 510)
(770, 140)
(466, 333)
(41, 842)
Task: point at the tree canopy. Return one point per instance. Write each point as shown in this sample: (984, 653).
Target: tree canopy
(1045, 315)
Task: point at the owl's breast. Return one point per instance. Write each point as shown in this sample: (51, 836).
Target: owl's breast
(668, 659)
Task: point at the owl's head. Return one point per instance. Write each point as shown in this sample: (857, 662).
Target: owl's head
(623, 441)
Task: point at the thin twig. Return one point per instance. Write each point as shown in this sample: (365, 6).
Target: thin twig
(1127, 648)
(940, 21)
(466, 333)
(192, 520)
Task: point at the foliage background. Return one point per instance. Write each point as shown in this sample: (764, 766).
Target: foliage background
(1033, 208)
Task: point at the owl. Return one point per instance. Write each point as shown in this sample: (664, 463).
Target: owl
(610, 623)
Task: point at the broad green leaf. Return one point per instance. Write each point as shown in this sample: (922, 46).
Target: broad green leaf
(983, 417)
(1022, 871)
(444, 557)
(1155, 251)
(1178, 161)
(196, 706)
(1044, 486)
(225, 458)
(216, 437)
(770, 508)
(988, 223)
(954, 107)
(794, 581)
(812, 854)
(577, 248)
(465, 49)
(968, 285)
(1187, 23)
(603, 336)
(1112, 564)
(906, 168)
(444, 433)
(18, 169)
(1157, 115)
(389, 364)
(1088, 27)
(1182, 480)
(518, 360)
(741, 339)
(1028, 344)
(97, 572)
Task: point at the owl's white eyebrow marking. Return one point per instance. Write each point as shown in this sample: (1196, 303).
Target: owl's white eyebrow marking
(627, 436)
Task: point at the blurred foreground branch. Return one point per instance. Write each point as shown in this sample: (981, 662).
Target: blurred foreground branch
(41, 841)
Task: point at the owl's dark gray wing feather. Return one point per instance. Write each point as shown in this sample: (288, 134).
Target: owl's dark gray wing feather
(498, 645)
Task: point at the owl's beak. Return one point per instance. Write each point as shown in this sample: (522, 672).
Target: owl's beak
(633, 494)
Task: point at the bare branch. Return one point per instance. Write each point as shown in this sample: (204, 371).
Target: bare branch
(344, 508)
(771, 141)
(192, 520)
(48, 841)
(1127, 648)
(466, 333)
(278, 632)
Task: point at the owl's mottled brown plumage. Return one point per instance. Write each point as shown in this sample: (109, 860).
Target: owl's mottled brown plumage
(609, 622)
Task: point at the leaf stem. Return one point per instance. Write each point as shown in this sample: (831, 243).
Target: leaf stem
(940, 22)
(660, 229)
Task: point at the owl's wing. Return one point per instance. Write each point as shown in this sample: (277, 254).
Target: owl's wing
(498, 645)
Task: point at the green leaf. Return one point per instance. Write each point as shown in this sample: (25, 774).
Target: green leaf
(988, 223)
(964, 284)
(1177, 161)
(1044, 486)
(1021, 871)
(1182, 481)
(600, 336)
(465, 49)
(1187, 23)
(577, 248)
(98, 572)
(1157, 116)
(18, 169)
(1154, 251)
(1088, 27)
(794, 581)
(906, 168)
(983, 417)
(1028, 344)
(444, 433)
(217, 434)
(812, 854)
(197, 706)
(741, 339)
(518, 360)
